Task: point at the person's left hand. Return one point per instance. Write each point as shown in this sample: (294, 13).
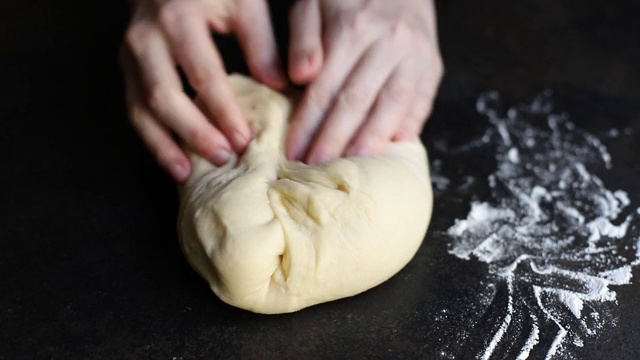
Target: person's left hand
(372, 68)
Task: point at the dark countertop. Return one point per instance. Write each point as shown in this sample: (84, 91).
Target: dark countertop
(89, 261)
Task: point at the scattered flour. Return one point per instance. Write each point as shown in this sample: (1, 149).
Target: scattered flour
(550, 229)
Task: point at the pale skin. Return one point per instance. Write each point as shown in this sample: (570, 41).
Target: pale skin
(371, 69)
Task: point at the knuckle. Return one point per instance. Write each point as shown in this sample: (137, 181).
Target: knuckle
(352, 98)
(396, 93)
(428, 86)
(201, 78)
(171, 13)
(158, 96)
(317, 97)
(400, 30)
(136, 34)
(247, 5)
(430, 53)
(352, 21)
(423, 46)
(136, 117)
(300, 9)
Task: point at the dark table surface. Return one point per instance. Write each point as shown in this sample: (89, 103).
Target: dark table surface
(89, 261)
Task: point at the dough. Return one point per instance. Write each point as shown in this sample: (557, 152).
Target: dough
(275, 236)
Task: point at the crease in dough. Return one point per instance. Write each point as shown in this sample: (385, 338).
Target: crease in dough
(274, 236)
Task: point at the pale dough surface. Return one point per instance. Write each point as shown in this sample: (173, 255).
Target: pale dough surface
(275, 236)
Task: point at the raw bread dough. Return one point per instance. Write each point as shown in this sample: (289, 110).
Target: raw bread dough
(275, 236)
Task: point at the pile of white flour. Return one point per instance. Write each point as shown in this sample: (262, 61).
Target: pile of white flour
(550, 231)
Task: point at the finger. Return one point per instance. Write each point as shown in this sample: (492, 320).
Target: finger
(411, 126)
(354, 102)
(392, 106)
(305, 45)
(155, 136)
(170, 105)
(342, 56)
(253, 27)
(159, 142)
(422, 106)
(193, 48)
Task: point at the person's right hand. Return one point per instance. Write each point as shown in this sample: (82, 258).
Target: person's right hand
(164, 34)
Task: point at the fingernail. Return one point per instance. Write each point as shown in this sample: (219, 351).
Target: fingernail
(357, 151)
(275, 70)
(179, 171)
(308, 59)
(240, 139)
(320, 159)
(295, 155)
(300, 67)
(276, 75)
(221, 156)
(300, 153)
(294, 152)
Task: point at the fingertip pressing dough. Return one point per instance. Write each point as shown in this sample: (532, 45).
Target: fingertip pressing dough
(275, 236)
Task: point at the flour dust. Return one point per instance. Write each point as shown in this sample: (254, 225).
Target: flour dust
(554, 238)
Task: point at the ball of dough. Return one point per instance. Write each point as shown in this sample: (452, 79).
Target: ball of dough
(275, 236)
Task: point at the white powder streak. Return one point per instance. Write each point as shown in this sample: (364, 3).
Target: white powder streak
(550, 226)
(534, 338)
(503, 327)
(596, 287)
(557, 342)
(479, 216)
(572, 301)
(562, 332)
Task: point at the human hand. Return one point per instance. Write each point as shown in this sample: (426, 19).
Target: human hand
(164, 34)
(372, 68)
